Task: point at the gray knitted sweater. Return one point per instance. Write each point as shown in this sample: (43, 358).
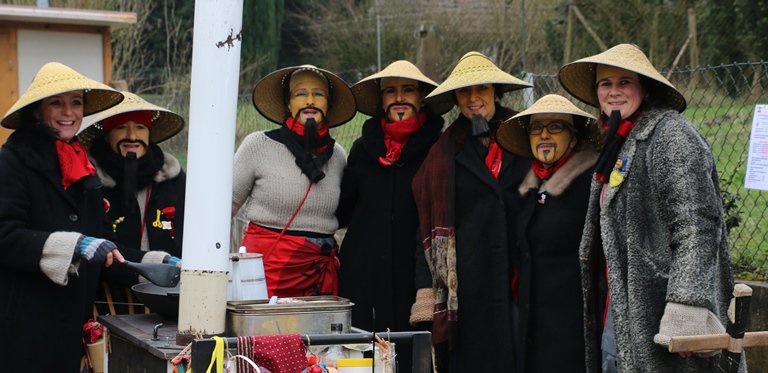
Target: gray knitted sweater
(664, 239)
(267, 177)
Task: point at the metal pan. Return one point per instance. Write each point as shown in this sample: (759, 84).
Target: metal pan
(160, 300)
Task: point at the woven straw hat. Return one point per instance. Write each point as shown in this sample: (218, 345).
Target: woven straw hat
(269, 100)
(165, 123)
(473, 69)
(513, 136)
(368, 92)
(55, 78)
(578, 77)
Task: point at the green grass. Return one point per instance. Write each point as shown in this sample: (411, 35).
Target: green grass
(726, 123)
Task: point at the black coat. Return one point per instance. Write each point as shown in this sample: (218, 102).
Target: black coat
(550, 334)
(378, 252)
(486, 214)
(42, 321)
(166, 191)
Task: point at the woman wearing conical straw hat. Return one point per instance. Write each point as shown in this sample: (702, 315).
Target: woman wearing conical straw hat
(561, 138)
(466, 196)
(145, 188)
(654, 215)
(52, 214)
(291, 179)
(377, 201)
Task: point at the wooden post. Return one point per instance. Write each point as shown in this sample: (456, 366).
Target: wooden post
(428, 55)
(568, 35)
(654, 34)
(694, 48)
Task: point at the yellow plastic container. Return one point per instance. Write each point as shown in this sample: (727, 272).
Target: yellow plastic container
(354, 365)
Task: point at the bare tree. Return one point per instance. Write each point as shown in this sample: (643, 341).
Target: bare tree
(129, 54)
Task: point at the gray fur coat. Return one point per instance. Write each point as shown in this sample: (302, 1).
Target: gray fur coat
(664, 239)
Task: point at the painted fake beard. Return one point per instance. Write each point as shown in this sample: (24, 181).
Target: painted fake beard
(549, 153)
(400, 116)
(479, 127)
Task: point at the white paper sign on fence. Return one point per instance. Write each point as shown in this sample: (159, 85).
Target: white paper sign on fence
(757, 162)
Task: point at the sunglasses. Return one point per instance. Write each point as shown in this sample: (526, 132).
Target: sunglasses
(552, 127)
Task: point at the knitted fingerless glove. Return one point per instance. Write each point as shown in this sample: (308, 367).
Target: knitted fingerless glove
(94, 249)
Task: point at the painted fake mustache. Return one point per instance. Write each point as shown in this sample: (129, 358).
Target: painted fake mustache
(298, 113)
(401, 104)
(140, 142)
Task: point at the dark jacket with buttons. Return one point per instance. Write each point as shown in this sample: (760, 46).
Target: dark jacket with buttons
(41, 320)
(378, 255)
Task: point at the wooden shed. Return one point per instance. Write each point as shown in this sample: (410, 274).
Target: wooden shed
(32, 36)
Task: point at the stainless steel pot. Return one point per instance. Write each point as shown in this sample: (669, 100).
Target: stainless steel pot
(300, 315)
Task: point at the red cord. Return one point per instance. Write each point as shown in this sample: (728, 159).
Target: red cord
(296, 212)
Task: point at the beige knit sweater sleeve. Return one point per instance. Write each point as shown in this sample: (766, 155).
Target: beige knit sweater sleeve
(246, 161)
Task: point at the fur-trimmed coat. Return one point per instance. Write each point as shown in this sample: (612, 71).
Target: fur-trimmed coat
(664, 238)
(44, 297)
(166, 193)
(546, 258)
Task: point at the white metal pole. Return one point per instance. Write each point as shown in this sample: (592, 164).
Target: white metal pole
(208, 205)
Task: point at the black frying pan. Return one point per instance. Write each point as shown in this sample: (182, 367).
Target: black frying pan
(160, 300)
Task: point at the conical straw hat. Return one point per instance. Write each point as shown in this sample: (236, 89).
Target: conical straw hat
(55, 78)
(165, 123)
(368, 92)
(578, 77)
(474, 69)
(269, 100)
(513, 137)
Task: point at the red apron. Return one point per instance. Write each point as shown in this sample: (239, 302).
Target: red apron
(293, 266)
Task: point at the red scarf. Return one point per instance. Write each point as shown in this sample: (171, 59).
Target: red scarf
(298, 128)
(612, 146)
(544, 172)
(396, 135)
(493, 158)
(624, 128)
(73, 161)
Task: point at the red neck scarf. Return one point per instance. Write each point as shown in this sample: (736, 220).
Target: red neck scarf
(73, 161)
(298, 128)
(493, 158)
(543, 172)
(396, 135)
(612, 146)
(624, 128)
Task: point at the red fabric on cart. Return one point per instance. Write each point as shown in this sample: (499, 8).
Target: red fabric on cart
(293, 266)
(279, 353)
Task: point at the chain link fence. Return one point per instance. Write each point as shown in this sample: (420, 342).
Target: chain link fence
(721, 100)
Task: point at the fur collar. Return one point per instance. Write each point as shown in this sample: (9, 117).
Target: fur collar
(562, 179)
(171, 168)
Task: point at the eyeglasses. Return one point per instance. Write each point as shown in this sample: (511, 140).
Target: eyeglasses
(552, 128)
